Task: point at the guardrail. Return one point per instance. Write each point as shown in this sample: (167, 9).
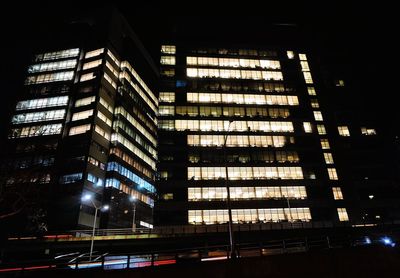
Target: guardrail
(106, 261)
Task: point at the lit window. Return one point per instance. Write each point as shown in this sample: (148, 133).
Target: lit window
(168, 49)
(318, 116)
(328, 158)
(343, 131)
(321, 129)
(167, 60)
(104, 118)
(112, 82)
(290, 54)
(314, 103)
(165, 110)
(307, 77)
(94, 53)
(167, 97)
(91, 65)
(339, 83)
(337, 193)
(167, 72)
(42, 103)
(84, 101)
(332, 174)
(82, 115)
(307, 127)
(112, 56)
(304, 66)
(79, 129)
(325, 144)
(50, 77)
(106, 105)
(302, 57)
(311, 91)
(71, 178)
(95, 180)
(87, 76)
(102, 132)
(368, 131)
(74, 52)
(342, 213)
(39, 130)
(38, 116)
(52, 66)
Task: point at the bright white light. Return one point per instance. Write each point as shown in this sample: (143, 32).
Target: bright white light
(388, 241)
(132, 198)
(106, 207)
(371, 196)
(368, 240)
(86, 197)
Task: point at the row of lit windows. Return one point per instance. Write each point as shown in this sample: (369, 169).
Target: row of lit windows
(116, 137)
(114, 166)
(217, 111)
(112, 69)
(239, 140)
(136, 124)
(168, 49)
(104, 118)
(110, 80)
(42, 103)
(264, 156)
(106, 105)
(36, 160)
(87, 76)
(71, 178)
(39, 130)
(248, 215)
(92, 64)
(94, 53)
(167, 60)
(139, 91)
(214, 125)
(232, 62)
(243, 86)
(119, 124)
(167, 97)
(126, 65)
(85, 101)
(305, 69)
(244, 173)
(50, 77)
(132, 162)
(343, 131)
(74, 52)
(129, 191)
(79, 129)
(82, 115)
(52, 66)
(95, 180)
(33, 178)
(238, 74)
(102, 132)
(246, 193)
(38, 116)
(96, 163)
(235, 52)
(242, 99)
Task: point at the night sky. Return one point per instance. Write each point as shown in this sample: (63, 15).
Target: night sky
(364, 32)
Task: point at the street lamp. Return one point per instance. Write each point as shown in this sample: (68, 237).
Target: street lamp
(133, 201)
(228, 199)
(85, 198)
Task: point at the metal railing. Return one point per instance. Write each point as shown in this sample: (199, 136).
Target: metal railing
(74, 261)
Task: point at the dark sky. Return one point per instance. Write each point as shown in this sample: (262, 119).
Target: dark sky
(364, 31)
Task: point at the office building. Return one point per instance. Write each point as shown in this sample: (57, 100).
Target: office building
(83, 135)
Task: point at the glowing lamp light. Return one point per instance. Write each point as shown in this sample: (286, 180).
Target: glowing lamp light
(368, 240)
(132, 198)
(388, 241)
(86, 197)
(106, 207)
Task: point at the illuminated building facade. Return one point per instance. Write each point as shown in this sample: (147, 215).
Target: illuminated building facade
(270, 107)
(84, 132)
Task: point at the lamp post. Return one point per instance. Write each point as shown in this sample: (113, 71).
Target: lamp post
(133, 200)
(88, 197)
(228, 199)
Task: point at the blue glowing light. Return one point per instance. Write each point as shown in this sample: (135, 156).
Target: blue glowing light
(368, 240)
(388, 241)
